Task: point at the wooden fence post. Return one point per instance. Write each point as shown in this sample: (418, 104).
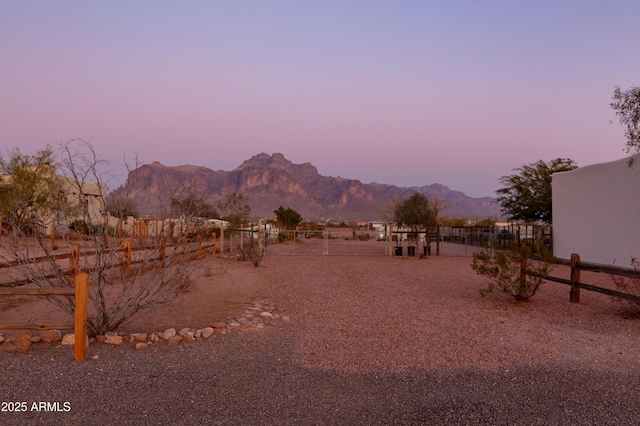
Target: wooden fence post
(260, 237)
(221, 239)
(574, 295)
(80, 316)
(213, 243)
(523, 273)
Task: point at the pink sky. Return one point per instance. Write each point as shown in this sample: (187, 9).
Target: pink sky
(405, 93)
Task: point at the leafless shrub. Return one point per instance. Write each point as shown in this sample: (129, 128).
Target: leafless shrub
(253, 254)
(126, 275)
(629, 286)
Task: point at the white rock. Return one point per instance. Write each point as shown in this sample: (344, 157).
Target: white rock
(139, 337)
(207, 332)
(113, 340)
(266, 314)
(35, 339)
(68, 339)
(168, 334)
(187, 333)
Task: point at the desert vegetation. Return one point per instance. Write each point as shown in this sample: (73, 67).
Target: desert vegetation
(128, 275)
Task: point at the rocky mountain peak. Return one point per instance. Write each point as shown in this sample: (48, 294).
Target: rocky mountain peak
(279, 162)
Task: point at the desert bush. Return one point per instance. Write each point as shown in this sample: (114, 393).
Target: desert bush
(253, 254)
(120, 288)
(364, 236)
(503, 267)
(629, 286)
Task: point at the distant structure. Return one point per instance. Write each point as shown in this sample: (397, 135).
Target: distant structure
(596, 213)
(87, 198)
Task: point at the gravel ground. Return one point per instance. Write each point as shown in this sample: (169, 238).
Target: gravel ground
(371, 340)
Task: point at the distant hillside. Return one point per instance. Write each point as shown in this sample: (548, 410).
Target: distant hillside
(269, 181)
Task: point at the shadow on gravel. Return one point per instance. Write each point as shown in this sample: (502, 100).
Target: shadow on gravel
(251, 378)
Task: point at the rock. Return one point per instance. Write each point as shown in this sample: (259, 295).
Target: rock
(198, 334)
(50, 336)
(175, 340)
(141, 345)
(110, 334)
(35, 339)
(100, 338)
(95, 357)
(187, 333)
(207, 332)
(114, 340)
(234, 324)
(154, 338)
(1, 338)
(140, 337)
(168, 334)
(218, 325)
(243, 321)
(68, 339)
(266, 314)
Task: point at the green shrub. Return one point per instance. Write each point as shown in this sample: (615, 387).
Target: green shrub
(504, 269)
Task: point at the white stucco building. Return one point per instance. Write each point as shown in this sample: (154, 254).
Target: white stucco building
(596, 213)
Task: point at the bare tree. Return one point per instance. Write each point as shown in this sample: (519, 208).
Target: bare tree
(127, 275)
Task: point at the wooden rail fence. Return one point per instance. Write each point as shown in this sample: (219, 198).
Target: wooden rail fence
(574, 280)
(79, 326)
(81, 290)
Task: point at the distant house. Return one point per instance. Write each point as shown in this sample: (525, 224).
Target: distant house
(596, 213)
(85, 198)
(89, 196)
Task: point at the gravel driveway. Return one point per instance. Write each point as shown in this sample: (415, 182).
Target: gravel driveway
(371, 340)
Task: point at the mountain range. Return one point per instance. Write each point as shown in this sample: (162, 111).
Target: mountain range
(270, 181)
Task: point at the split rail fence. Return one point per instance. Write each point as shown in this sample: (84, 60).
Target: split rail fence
(574, 280)
(81, 290)
(79, 326)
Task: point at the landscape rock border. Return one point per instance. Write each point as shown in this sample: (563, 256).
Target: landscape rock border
(259, 315)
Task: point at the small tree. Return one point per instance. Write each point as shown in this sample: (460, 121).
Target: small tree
(193, 206)
(122, 207)
(236, 209)
(287, 219)
(30, 191)
(527, 195)
(626, 104)
(419, 214)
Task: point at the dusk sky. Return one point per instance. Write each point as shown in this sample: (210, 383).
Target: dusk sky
(408, 93)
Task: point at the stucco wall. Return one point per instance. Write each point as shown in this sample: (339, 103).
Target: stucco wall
(596, 213)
